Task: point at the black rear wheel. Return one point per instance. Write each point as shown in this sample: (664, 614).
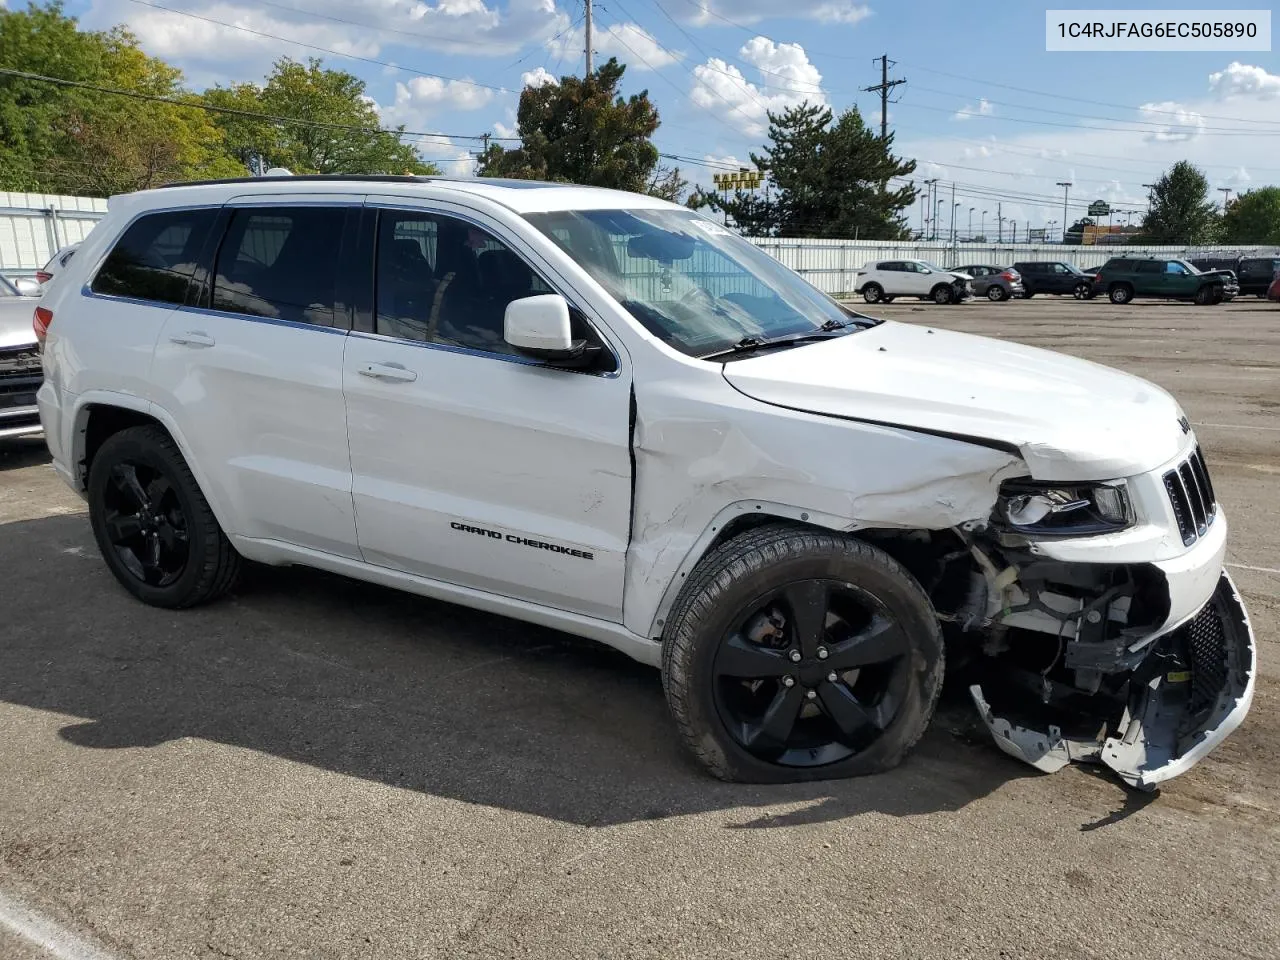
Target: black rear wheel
(872, 293)
(154, 527)
(799, 655)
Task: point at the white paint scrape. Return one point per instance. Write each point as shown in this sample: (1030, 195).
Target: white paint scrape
(41, 932)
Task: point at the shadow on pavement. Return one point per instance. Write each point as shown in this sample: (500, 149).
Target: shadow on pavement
(25, 452)
(393, 688)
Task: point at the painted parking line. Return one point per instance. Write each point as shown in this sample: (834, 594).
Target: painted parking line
(1232, 426)
(1245, 566)
(52, 938)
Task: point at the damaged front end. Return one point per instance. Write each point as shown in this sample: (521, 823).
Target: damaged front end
(1098, 663)
(1156, 711)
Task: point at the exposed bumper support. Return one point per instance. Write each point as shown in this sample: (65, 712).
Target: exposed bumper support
(1187, 696)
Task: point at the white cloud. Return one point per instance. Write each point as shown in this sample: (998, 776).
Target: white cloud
(1180, 123)
(983, 109)
(752, 11)
(505, 132)
(787, 79)
(1239, 177)
(1242, 80)
(211, 53)
(449, 156)
(629, 42)
(537, 78)
(423, 97)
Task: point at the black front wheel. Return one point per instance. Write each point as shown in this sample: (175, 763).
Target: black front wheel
(154, 527)
(795, 654)
(1083, 291)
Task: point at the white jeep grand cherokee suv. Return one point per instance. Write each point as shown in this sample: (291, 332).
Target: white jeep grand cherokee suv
(604, 413)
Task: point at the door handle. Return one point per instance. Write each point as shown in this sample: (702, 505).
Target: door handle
(392, 372)
(193, 338)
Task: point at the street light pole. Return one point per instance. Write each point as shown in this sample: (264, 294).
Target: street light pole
(971, 209)
(937, 217)
(1226, 199)
(983, 231)
(1066, 189)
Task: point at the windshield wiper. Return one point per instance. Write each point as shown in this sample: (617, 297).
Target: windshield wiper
(752, 344)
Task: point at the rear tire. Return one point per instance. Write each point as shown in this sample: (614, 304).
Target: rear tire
(1082, 291)
(1028, 294)
(154, 527)
(1121, 293)
(739, 602)
(872, 293)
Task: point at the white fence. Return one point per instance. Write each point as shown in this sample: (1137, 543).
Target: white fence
(34, 226)
(831, 265)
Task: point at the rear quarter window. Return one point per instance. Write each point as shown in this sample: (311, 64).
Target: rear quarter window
(156, 256)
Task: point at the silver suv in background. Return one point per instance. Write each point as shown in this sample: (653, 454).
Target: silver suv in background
(994, 283)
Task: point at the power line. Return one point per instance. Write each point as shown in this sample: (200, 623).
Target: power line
(211, 108)
(1063, 96)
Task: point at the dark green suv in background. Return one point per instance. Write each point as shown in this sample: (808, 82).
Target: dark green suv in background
(1123, 278)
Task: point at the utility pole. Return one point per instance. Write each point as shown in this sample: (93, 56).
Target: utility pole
(1000, 223)
(1226, 200)
(924, 202)
(937, 217)
(587, 25)
(1066, 189)
(983, 230)
(953, 214)
(882, 88)
(971, 209)
(928, 199)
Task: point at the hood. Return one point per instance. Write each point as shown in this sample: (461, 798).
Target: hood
(1070, 419)
(15, 321)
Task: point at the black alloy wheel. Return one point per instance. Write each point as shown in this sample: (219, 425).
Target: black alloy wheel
(1082, 291)
(146, 524)
(812, 675)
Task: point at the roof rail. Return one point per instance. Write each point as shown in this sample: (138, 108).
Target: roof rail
(310, 177)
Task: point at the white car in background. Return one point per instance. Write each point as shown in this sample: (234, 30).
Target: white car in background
(20, 375)
(882, 280)
(604, 413)
(56, 264)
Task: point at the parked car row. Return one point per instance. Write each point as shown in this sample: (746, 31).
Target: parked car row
(1120, 279)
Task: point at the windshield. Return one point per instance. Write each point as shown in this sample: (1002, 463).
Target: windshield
(689, 281)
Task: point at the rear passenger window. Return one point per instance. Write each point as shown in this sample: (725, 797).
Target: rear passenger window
(443, 280)
(1150, 266)
(156, 256)
(280, 262)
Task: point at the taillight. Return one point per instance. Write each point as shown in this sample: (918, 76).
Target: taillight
(40, 322)
(1009, 275)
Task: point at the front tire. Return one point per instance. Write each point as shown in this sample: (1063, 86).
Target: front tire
(154, 527)
(1204, 296)
(872, 293)
(1121, 293)
(942, 294)
(794, 654)
(996, 293)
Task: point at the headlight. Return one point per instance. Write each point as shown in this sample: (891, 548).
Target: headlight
(1064, 509)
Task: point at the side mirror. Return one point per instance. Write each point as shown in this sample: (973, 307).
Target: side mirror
(26, 286)
(539, 327)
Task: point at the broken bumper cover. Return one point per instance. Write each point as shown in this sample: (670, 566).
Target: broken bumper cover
(1188, 695)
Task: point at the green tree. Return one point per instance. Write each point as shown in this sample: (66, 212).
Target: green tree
(582, 131)
(353, 141)
(60, 139)
(829, 177)
(1253, 217)
(1180, 209)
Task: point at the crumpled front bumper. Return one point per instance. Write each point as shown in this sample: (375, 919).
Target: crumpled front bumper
(1186, 697)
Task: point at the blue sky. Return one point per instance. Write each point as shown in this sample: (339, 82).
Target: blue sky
(984, 106)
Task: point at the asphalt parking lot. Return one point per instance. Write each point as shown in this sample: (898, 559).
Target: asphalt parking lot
(318, 768)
